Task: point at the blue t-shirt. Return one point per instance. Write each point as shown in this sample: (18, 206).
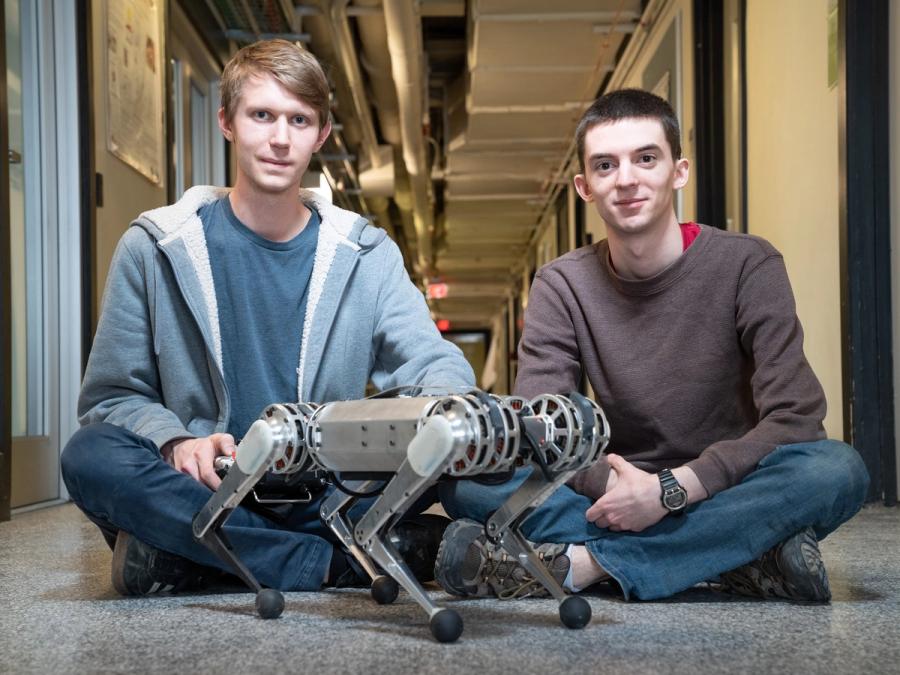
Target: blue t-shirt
(261, 290)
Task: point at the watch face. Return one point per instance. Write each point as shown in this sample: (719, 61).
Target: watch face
(675, 500)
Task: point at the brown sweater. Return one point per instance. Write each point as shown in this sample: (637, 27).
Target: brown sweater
(701, 364)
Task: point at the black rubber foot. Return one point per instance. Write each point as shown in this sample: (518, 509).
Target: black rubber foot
(446, 625)
(575, 612)
(269, 603)
(384, 590)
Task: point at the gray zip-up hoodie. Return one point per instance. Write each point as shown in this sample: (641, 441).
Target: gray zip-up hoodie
(156, 363)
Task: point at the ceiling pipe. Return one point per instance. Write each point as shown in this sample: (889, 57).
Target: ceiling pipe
(404, 36)
(377, 206)
(403, 198)
(331, 19)
(376, 61)
(346, 52)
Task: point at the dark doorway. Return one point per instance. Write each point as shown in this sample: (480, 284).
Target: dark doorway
(709, 111)
(863, 31)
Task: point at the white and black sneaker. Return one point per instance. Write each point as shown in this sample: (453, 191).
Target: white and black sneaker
(792, 570)
(468, 565)
(141, 569)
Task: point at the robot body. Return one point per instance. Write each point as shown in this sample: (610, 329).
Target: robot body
(406, 444)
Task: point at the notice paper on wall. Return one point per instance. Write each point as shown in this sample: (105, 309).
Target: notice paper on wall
(135, 120)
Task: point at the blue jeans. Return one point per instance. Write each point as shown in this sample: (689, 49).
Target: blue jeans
(820, 484)
(120, 481)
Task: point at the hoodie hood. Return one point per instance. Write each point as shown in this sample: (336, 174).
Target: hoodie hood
(177, 220)
(177, 226)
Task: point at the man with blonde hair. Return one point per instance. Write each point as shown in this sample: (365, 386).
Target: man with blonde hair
(223, 303)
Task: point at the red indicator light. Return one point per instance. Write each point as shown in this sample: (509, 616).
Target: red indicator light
(436, 291)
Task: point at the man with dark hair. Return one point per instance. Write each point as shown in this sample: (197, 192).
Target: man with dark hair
(226, 302)
(629, 104)
(718, 466)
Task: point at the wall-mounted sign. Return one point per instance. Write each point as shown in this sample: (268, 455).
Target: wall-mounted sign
(135, 122)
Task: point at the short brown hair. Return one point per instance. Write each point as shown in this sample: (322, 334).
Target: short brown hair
(296, 69)
(627, 104)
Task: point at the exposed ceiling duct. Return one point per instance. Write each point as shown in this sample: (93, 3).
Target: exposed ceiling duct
(336, 11)
(404, 37)
(376, 62)
(332, 41)
(389, 179)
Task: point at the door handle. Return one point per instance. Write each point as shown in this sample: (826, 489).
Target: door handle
(14, 157)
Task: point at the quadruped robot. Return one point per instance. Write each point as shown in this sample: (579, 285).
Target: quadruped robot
(396, 445)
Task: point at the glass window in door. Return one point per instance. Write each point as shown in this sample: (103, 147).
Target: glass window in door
(35, 460)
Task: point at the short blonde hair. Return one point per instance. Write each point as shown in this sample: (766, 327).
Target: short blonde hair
(295, 68)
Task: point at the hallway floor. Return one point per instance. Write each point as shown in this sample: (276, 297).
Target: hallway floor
(59, 614)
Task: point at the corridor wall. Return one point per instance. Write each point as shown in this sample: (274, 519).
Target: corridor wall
(792, 171)
(126, 192)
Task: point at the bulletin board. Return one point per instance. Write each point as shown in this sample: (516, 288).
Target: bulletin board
(135, 116)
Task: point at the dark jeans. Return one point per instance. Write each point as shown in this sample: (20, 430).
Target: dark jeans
(820, 484)
(120, 481)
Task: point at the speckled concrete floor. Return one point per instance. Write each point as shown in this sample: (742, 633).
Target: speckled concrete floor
(59, 614)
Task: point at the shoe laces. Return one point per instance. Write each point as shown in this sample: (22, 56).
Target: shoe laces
(510, 579)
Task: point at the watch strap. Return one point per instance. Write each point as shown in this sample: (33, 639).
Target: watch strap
(670, 485)
(667, 480)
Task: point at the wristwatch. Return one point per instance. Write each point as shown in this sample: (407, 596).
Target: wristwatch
(673, 497)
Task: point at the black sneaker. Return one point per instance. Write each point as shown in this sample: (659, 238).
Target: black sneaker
(792, 570)
(345, 572)
(468, 565)
(417, 540)
(141, 569)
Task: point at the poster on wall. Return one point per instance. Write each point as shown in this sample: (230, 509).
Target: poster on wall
(135, 123)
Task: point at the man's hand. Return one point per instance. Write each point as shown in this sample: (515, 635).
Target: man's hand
(611, 480)
(632, 500)
(195, 457)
